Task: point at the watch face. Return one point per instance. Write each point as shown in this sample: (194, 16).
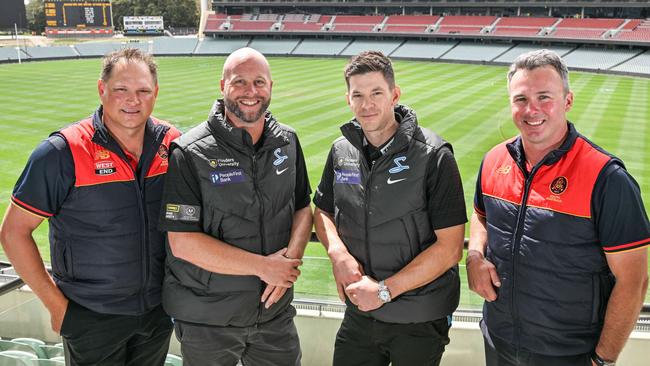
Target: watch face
(384, 296)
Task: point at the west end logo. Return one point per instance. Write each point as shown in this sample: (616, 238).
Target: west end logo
(398, 165)
(280, 158)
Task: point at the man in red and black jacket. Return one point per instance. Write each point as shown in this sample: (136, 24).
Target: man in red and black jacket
(99, 183)
(559, 236)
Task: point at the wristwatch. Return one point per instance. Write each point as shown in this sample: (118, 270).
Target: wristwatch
(600, 362)
(384, 293)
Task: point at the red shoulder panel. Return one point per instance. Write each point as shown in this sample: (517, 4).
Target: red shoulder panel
(501, 177)
(567, 186)
(93, 163)
(160, 161)
(564, 187)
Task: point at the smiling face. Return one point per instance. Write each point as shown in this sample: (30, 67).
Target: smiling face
(372, 102)
(539, 105)
(246, 88)
(128, 96)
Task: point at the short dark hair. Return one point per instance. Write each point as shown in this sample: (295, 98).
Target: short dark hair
(540, 58)
(128, 55)
(370, 61)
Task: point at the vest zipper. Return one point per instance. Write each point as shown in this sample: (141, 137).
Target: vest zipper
(366, 213)
(262, 241)
(516, 240)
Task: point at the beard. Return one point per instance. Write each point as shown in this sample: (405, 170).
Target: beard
(250, 117)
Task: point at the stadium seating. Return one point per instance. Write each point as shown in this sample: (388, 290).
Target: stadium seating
(250, 25)
(387, 47)
(51, 52)
(358, 19)
(174, 46)
(321, 47)
(274, 47)
(301, 27)
(598, 58)
(405, 28)
(639, 65)
(102, 48)
(11, 54)
(220, 46)
(353, 28)
(512, 53)
(475, 52)
(412, 19)
(423, 49)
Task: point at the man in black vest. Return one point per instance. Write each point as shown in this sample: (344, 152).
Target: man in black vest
(99, 182)
(559, 236)
(236, 208)
(391, 213)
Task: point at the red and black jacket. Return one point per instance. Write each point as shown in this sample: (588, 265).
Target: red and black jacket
(543, 240)
(107, 254)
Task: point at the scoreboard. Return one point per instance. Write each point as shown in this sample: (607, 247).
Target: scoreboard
(78, 13)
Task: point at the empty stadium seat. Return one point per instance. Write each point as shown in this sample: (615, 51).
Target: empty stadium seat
(52, 351)
(35, 344)
(45, 362)
(17, 358)
(6, 360)
(173, 360)
(10, 346)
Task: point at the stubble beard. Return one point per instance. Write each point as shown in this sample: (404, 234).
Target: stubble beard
(233, 108)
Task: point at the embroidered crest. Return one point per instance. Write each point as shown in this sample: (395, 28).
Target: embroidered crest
(559, 185)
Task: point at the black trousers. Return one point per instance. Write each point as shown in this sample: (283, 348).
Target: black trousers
(364, 341)
(91, 338)
(274, 343)
(500, 353)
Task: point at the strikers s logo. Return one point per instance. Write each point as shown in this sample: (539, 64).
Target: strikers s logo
(398, 165)
(280, 158)
(559, 185)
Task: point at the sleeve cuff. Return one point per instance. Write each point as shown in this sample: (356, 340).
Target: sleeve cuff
(609, 249)
(30, 209)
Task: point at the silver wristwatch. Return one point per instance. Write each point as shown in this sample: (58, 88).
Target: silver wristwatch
(384, 293)
(599, 361)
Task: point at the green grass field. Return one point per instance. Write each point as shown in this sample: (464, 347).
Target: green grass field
(466, 104)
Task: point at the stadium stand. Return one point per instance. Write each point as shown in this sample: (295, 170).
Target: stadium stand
(405, 28)
(423, 49)
(51, 52)
(635, 30)
(321, 47)
(11, 54)
(412, 19)
(220, 46)
(598, 58)
(638, 65)
(301, 27)
(174, 46)
(250, 25)
(352, 28)
(464, 24)
(585, 28)
(475, 52)
(512, 53)
(98, 48)
(387, 47)
(358, 19)
(274, 47)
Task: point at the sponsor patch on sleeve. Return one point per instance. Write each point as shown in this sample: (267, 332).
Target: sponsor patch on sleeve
(178, 212)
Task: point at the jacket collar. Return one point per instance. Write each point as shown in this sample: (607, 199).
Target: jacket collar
(102, 136)
(408, 124)
(273, 134)
(516, 148)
